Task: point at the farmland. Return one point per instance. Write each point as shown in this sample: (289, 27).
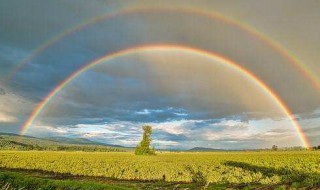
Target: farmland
(299, 168)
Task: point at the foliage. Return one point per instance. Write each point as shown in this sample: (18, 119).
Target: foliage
(316, 147)
(264, 168)
(143, 148)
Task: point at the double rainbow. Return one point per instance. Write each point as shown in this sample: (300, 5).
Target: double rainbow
(167, 47)
(305, 71)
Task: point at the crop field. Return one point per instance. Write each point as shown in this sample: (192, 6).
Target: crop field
(264, 168)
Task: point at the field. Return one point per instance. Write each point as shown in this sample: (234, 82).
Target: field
(234, 169)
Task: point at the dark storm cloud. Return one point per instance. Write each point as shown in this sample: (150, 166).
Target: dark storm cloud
(21, 33)
(59, 61)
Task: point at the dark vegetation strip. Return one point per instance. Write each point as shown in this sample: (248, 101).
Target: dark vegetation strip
(17, 180)
(20, 174)
(64, 176)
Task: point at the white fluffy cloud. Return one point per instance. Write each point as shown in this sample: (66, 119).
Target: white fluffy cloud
(231, 134)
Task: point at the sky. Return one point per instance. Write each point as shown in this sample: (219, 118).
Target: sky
(160, 75)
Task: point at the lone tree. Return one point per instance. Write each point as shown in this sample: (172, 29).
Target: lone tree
(143, 148)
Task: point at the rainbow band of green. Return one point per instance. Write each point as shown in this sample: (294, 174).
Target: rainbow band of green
(306, 72)
(42, 105)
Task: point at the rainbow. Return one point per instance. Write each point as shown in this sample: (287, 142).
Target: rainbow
(42, 105)
(305, 71)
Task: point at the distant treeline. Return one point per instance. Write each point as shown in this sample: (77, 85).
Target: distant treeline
(294, 148)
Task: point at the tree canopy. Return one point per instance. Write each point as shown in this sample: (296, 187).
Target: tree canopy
(143, 148)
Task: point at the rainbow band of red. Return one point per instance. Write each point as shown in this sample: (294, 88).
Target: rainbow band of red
(42, 105)
(305, 71)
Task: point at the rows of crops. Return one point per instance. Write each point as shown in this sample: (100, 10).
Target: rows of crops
(229, 167)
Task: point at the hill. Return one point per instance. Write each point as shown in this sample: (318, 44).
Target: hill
(204, 149)
(9, 141)
(80, 141)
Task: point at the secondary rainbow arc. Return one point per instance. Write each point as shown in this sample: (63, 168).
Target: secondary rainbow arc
(42, 105)
(306, 72)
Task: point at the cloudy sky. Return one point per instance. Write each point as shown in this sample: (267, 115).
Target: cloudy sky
(191, 99)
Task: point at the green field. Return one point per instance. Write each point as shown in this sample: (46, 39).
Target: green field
(234, 169)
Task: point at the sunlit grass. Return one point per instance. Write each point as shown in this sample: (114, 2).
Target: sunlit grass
(264, 168)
